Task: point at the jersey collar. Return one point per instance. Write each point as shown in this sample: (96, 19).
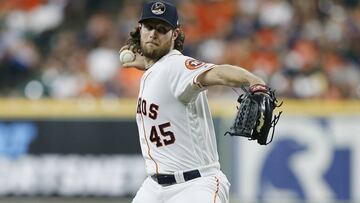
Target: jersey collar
(171, 53)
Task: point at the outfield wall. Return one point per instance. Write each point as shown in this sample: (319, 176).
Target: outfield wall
(90, 148)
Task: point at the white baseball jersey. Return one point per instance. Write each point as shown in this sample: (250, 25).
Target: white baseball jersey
(174, 121)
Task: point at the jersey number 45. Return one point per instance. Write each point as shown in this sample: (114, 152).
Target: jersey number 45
(166, 137)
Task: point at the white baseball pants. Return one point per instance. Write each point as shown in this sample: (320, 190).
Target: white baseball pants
(213, 188)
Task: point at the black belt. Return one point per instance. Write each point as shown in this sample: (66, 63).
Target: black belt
(169, 179)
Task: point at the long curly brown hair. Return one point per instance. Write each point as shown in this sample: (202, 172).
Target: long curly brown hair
(134, 40)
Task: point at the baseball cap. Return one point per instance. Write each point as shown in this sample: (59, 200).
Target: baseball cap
(160, 10)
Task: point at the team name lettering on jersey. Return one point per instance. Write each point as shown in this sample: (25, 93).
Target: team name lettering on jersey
(160, 135)
(142, 108)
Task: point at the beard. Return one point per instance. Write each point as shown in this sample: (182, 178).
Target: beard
(157, 52)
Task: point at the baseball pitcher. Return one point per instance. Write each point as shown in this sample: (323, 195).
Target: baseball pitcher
(175, 126)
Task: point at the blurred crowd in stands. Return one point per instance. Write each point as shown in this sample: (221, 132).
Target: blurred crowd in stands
(69, 48)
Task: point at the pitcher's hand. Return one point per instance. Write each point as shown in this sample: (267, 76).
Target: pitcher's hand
(138, 63)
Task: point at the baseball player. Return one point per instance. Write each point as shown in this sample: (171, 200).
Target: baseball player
(175, 126)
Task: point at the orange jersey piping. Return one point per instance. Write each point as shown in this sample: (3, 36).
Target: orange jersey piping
(143, 125)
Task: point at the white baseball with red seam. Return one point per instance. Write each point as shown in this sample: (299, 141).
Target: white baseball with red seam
(126, 56)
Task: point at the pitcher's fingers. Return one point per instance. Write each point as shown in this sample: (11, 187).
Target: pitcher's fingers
(133, 48)
(123, 48)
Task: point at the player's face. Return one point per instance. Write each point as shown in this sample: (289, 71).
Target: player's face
(156, 39)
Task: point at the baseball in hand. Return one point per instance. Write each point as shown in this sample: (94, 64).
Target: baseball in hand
(127, 56)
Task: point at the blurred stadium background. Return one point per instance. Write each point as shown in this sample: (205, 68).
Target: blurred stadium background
(67, 128)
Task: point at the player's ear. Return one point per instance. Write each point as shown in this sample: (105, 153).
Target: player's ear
(176, 33)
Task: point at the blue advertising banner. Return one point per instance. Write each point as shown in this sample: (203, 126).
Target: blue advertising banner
(67, 157)
(313, 159)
